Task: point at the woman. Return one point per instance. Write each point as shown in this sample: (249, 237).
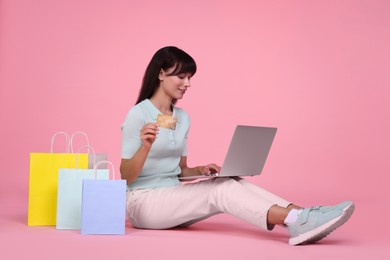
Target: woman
(153, 157)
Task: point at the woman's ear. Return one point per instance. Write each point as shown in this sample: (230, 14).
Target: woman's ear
(161, 75)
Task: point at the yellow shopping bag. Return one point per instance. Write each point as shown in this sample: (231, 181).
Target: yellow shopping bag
(43, 182)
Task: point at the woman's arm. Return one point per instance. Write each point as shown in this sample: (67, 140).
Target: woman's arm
(131, 168)
(198, 170)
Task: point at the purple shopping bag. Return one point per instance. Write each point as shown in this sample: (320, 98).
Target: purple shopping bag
(103, 205)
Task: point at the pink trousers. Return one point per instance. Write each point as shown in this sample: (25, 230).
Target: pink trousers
(183, 205)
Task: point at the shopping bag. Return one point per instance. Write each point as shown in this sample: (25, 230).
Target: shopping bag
(70, 192)
(91, 160)
(103, 205)
(43, 182)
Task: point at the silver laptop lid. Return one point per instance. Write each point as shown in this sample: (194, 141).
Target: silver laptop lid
(248, 150)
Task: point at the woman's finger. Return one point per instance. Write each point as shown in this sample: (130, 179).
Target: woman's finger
(214, 167)
(150, 131)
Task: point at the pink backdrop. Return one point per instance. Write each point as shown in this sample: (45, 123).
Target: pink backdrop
(317, 70)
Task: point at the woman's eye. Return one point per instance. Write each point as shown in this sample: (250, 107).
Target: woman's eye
(183, 76)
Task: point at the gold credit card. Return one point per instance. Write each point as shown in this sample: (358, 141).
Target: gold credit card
(166, 121)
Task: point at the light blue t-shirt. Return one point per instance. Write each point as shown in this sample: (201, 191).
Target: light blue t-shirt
(161, 168)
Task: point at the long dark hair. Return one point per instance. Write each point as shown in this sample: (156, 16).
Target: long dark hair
(165, 58)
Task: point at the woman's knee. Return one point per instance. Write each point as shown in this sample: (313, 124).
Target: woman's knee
(223, 187)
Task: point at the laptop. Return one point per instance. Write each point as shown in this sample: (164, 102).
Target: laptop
(247, 153)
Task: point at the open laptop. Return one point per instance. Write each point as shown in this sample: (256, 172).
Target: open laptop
(247, 153)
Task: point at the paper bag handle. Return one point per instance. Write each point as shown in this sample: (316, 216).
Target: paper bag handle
(78, 133)
(96, 166)
(89, 149)
(66, 138)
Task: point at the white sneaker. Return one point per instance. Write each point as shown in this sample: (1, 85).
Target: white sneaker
(315, 223)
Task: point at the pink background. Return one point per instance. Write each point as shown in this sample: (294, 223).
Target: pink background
(317, 70)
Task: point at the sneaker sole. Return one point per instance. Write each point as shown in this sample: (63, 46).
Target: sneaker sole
(324, 230)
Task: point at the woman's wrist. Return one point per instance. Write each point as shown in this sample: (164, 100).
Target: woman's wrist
(145, 147)
(188, 172)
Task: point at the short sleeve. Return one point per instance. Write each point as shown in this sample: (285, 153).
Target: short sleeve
(131, 128)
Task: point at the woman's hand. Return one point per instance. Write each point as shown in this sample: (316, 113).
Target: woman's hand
(198, 170)
(131, 168)
(210, 169)
(149, 134)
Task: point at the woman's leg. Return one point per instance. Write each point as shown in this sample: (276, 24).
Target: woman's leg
(173, 206)
(277, 215)
(268, 195)
(264, 193)
(168, 207)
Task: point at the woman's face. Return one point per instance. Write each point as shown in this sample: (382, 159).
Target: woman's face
(174, 85)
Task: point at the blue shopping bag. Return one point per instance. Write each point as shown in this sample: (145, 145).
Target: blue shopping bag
(103, 205)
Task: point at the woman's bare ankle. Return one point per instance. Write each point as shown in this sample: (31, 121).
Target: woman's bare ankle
(293, 206)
